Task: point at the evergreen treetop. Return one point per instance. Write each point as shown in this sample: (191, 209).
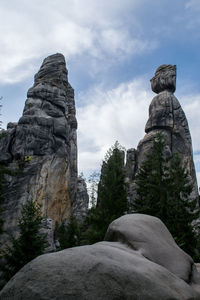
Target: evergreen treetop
(69, 234)
(28, 245)
(111, 196)
(163, 189)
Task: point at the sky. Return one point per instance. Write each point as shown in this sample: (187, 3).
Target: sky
(112, 49)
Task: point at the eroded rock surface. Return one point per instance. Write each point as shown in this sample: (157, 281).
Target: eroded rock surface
(138, 260)
(166, 116)
(48, 232)
(81, 205)
(42, 147)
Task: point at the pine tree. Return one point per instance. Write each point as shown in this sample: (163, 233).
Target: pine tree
(181, 210)
(28, 245)
(150, 182)
(111, 189)
(69, 234)
(112, 196)
(164, 190)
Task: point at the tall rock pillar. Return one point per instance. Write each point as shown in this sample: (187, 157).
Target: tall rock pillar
(42, 147)
(167, 117)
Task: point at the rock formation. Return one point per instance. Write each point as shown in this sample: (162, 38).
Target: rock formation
(138, 260)
(41, 148)
(80, 206)
(47, 231)
(167, 117)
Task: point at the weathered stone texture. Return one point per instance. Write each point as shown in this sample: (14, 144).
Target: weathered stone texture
(42, 147)
(138, 260)
(166, 116)
(131, 163)
(81, 205)
(164, 79)
(48, 232)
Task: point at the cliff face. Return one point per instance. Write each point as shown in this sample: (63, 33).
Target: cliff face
(42, 148)
(167, 117)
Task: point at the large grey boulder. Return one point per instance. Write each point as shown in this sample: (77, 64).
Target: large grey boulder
(139, 260)
(41, 148)
(166, 116)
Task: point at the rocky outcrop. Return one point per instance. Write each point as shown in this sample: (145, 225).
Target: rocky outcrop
(48, 233)
(81, 205)
(41, 148)
(138, 260)
(167, 117)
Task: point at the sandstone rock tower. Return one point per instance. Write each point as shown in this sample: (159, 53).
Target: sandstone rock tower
(165, 116)
(42, 147)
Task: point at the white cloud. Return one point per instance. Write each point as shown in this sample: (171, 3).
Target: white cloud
(197, 165)
(119, 42)
(110, 115)
(193, 21)
(191, 104)
(103, 33)
(95, 28)
(198, 178)
(193, 4)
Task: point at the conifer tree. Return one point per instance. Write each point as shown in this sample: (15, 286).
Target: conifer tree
(164, 190)
(28, 245)
(112, 196)
(69, 234)
(181, 210)
(150, 182)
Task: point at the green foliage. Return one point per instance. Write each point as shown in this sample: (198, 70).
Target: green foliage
(163, 190)
(69, 235)
(29, 105)
(28, 245)
(3, 134)
(150, 182)
(181, 211)
(111, 199)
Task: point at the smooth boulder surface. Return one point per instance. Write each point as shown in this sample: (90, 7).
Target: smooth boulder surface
(139, 261)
